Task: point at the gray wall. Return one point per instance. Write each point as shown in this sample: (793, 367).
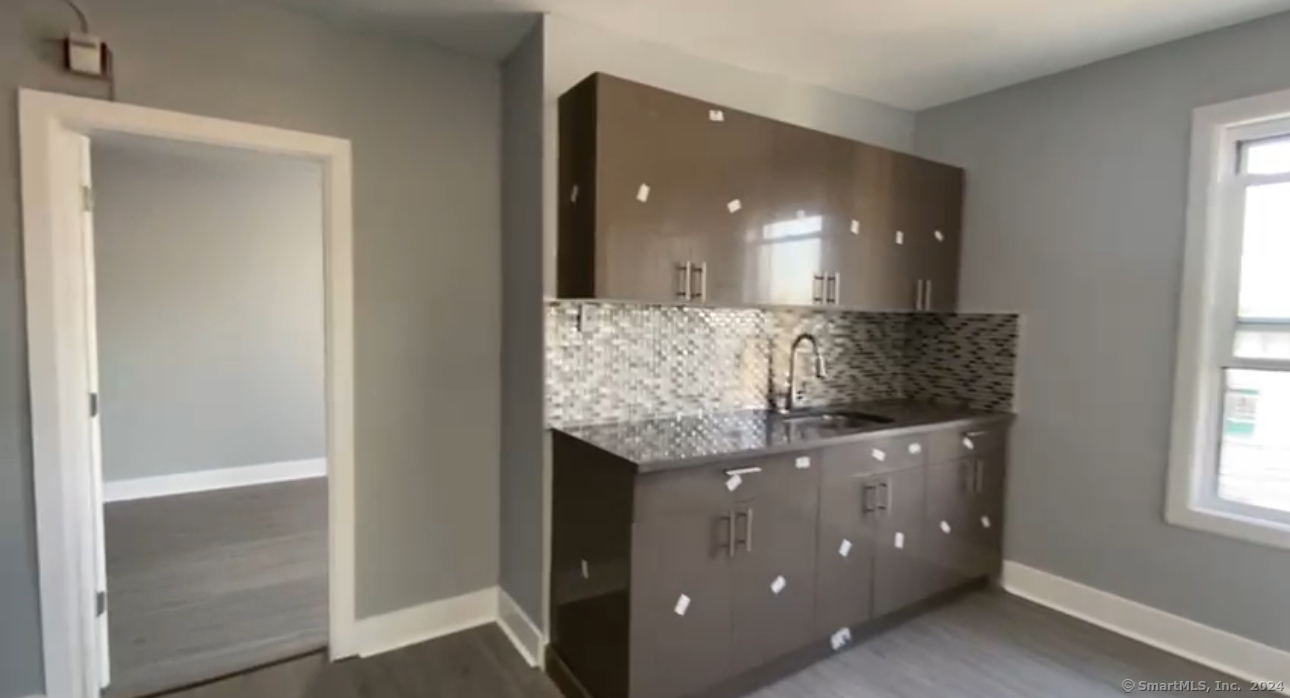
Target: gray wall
(209, 269)
(1076, 202)
(575, 50)
(424, 125)
(522, 326)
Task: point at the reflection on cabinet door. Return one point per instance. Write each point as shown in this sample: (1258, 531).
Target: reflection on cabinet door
(900, 565)
(799, 251)
(773, 570)
(681, 603)
(882, 263)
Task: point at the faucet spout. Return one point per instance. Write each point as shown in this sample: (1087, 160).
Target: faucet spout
(790, 402)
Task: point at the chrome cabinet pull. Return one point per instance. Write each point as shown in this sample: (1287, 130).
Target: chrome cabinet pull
(866, 503)
(683, 281)
(817, 288)
(743, 471)
(978, 479)
(699, 291)
(729, 520)
(748, 528)
(918, 296)
(927, 304)
(884, 504)
(832, 288)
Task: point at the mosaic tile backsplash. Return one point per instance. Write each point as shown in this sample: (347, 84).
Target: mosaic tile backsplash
(610, 362)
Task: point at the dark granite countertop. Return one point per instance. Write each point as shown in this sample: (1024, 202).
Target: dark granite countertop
(661, 444)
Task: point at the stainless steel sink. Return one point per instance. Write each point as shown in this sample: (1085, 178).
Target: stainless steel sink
(834, 421)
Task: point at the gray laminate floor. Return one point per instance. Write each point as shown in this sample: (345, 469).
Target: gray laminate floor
(203, 585)
(987, 645)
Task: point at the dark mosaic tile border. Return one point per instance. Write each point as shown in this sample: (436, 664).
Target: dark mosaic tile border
(610, 362)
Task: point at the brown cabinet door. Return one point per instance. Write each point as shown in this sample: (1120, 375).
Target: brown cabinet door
(936, 239)
(798, 252)
(638, 254)
(952, 541)
(847, 534)
(881, 262)
(773, 571)
(680, 583)
(985, 525)
(901, 567)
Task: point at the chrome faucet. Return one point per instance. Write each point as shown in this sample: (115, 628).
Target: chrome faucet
(790, 402)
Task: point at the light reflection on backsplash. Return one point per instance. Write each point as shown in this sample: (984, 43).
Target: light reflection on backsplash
(610, 362)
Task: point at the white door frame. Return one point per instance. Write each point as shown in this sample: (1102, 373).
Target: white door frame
(49, 126)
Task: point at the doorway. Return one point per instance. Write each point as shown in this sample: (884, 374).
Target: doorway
(190, 340)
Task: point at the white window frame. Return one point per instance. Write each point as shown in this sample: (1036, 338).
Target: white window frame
(1207, 318)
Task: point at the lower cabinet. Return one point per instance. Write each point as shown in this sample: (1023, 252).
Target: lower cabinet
(670, 584)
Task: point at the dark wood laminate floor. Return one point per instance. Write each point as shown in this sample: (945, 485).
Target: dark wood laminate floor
(206, 584)
(986, 645)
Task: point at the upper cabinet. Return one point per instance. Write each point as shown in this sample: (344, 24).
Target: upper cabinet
(664, 198)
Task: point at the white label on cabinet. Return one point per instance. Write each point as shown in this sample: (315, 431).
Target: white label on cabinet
(845, 549)
(734, 482)
(682, 605)
(985, 522)
(802, 462)
(734, 205)
(586, 570)
(642, 194)
(945, 527)
(967, 443)
(915, 447)
(900, 237)
(778, 585)
(716, 115)
(855, 227)
(573, 193)
(940, 237)
(879, 454)
(899, 542)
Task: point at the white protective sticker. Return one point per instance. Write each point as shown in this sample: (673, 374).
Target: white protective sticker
(802, 462)
(733, 482)
(642, 193)
(967, 443)
(985, 522)
(840, 639)
(586, 570)
(940, 237)
(844, 549)
(682, 605)
(900, 237)
(716, 115)
(855, 227)
(734, 205)
(900, 540)
(879, 454)
(573, 193)
(778, 585)
(945, 527)
(915, 447)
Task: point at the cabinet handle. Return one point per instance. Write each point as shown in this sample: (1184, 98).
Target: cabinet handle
(927, 304)
(748, 528)
(683, 281)
(817, 289)
(918, 296)
(700, 290)
(967, 475)
(978, 476)
(729, 520)
(743, 471)
(832, 288)
(885, 503)
(974, 434)
(866, 504)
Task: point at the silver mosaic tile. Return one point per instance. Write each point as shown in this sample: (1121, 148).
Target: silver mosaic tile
(617, 362)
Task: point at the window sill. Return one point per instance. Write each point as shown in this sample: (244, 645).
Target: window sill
(1231, 524)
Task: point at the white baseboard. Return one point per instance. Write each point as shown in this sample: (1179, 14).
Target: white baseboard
(522, 631)
(206, 480)
(1217, 649)
(410, 626)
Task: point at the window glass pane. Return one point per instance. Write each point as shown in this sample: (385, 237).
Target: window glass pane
(1265, 276)
(1263, 343)
(1254, 451)
(1270, 156)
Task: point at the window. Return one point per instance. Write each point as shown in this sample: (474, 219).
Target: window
(1229, 469)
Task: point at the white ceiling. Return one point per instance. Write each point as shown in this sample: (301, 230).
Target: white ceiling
(912, 54)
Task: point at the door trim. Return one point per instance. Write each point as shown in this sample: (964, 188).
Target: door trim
(57, 349)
